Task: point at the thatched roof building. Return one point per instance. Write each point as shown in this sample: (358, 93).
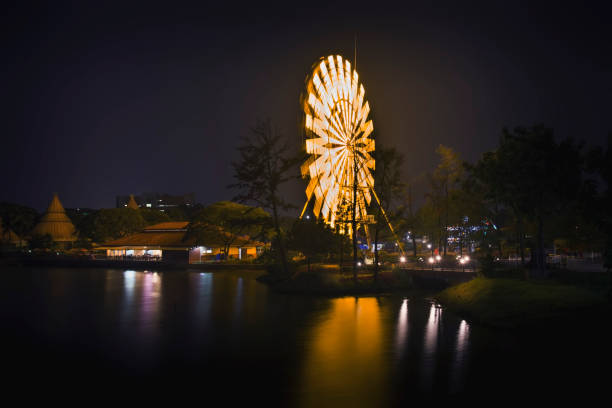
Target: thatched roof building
(56, 223)
(132, 203)
(7, 236)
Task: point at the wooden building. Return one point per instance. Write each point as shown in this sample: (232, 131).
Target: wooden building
(169, 241)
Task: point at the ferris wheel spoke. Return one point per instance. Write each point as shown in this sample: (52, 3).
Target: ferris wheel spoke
(339, 142)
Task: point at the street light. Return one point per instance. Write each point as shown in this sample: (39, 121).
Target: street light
(402, 259)
(431, 261)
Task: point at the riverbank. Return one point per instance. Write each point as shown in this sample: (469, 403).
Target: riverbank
(86, 262)
(510, 303)
(329, 280)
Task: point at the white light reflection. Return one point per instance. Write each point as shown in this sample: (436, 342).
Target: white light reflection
(129, 281)
(459, 363)
(203, 285)
(149, 301)
(127, 309)
(238, 300)
(402, 329)
(430, 346)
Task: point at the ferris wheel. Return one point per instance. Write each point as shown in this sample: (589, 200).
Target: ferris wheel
(338, 143)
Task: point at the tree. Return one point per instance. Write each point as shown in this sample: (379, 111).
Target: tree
(389, 187)
(224, 222)
(535, 177)
(42, 242)
(115, 223)
(444, 184)
(600, 163)
(152, 216)
(263, 167)
(313, 238)
(17, 218)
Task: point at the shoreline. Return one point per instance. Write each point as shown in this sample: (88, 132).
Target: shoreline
(72, 262)
(503, 303)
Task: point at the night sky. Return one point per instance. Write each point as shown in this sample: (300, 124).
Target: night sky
(102, 98)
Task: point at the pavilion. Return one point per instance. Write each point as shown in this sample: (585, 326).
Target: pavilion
(168, 241)
(56, 223)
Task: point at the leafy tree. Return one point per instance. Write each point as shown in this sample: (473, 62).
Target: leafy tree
(600, 162)
(343, 218)
(152, 216)
(313, 238)
(264, 166)
(177, 213)
(17, 218)
(409, 221)
(535, 177)
(42, 242)
(225, 221)
(389, 187)
(442, 207)
(115, 223)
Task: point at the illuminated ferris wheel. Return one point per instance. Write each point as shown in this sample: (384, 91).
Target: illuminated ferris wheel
(338, 143)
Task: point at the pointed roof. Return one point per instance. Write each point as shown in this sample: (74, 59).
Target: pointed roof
(132, 203)
(8, 236)
(56, 223)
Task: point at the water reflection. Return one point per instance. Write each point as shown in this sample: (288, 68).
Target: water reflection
(345, 357)
(149, 302)
(460, 364)
(227, 328)
(402, 329)
(127, 311)
(238, 300)
(430, 345)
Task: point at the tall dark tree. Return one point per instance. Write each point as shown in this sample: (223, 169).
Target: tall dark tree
(389, 187)
(17, 218)
(225, 222)
(264, 165)
(533, 175)
(600, 162)
(153, 216)
(313, 238)
(115, 223)
(443, 185)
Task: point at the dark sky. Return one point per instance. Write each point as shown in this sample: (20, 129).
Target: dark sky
(103, 98)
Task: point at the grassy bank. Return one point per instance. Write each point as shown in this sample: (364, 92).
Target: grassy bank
(512, 302)
(330, 281)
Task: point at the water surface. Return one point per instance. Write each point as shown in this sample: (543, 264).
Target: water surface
(224, 335)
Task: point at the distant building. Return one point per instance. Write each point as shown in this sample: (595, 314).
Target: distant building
(167, 241)
(8, 238)
(156, 200)
(56, 223)
(132, 203)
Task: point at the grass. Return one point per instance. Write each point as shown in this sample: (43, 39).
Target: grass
(327, 280)
(512, 302)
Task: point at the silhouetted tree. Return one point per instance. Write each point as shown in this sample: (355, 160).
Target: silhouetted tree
(17, 218)
(389, 187)
(115, 223)
(224, 222)
(152, 216)
(263, 167)
(600, 162)
(534, 176)
(444, 182)
(313, 238)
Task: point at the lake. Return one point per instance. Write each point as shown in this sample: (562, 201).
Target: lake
(223, 335)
